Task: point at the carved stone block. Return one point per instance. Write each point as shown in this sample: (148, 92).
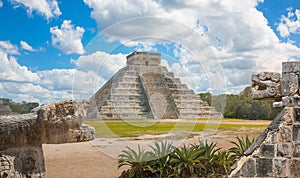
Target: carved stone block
(281, 167)
(264, 167)
(248, 168)
(296, 150)
(285, 150)
(22, 162)
(266, 150)
(297, 115)
(266, 85)
(294, 168)
(291, 101)
(296, 133)
(290, 67)
(289, 84)
(285, 134)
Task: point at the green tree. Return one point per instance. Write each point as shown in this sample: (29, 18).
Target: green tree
(206, 97)
(242, 106)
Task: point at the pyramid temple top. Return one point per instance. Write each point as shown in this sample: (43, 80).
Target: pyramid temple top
(143, 58)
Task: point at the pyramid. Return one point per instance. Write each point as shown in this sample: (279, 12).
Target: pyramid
(145, 89)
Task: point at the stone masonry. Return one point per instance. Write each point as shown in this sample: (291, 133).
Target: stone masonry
(22, 136)
(276, 152)
(145, 89)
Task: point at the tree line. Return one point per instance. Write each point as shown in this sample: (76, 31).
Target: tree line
(242, 106)
(19, 108)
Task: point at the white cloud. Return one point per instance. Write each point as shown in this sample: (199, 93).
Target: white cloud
(228, 37)
(11, 71)
(47, 8)
(8, 47)
(26, 46)
(101, 62)
(94, 70)
(67, 38)
(290, 23)
(19, 83)
(1, 3)
(107, 12)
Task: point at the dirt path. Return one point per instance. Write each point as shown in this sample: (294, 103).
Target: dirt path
(80, 160)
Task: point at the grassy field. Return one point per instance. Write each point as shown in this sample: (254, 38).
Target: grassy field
(136, 127)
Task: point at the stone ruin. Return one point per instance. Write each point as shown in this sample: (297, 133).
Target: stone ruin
(145, 89)
(22, 136)
(276, 152)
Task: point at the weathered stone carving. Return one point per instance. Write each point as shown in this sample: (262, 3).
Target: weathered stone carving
(276, 152)
(266, 85)
(285, 89)
(22, 136)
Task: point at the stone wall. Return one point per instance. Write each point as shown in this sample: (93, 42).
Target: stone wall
(276, 152)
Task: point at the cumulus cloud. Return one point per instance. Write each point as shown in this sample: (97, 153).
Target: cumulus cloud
(92, 71)
(47, 8)
(290, 23)
(10, 70)
(68, 38)
(227, 37)
(26, 46)
(8, 47)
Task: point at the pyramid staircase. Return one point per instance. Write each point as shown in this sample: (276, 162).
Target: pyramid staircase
(143, 90)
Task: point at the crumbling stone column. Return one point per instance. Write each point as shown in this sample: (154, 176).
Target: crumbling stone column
(22, 136)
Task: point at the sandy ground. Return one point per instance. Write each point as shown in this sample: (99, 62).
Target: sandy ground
(80, 160)
(97, 159)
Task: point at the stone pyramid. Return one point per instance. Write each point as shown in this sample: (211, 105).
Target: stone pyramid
(145, 89)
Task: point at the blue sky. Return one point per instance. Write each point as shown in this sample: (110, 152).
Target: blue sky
(52, 50)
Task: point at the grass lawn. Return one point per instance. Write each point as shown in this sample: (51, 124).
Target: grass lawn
(136, 127)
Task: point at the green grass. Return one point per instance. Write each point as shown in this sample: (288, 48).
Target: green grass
(135, 127)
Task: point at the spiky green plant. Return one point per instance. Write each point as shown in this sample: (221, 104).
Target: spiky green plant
(224, 160)
(187, 161)
(161, 158)
(137, 160)
(240, 146)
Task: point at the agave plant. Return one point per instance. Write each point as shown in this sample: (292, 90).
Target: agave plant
(187, 161)
(161, 155)
(211, 163)
(138, 161)
(240, 146)
(224, 160)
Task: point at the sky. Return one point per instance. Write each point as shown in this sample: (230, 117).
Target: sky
(52, 50)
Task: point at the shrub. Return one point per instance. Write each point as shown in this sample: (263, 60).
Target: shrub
(196, 160)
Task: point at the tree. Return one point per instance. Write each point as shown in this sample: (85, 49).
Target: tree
(243, 106)
(20, 108)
